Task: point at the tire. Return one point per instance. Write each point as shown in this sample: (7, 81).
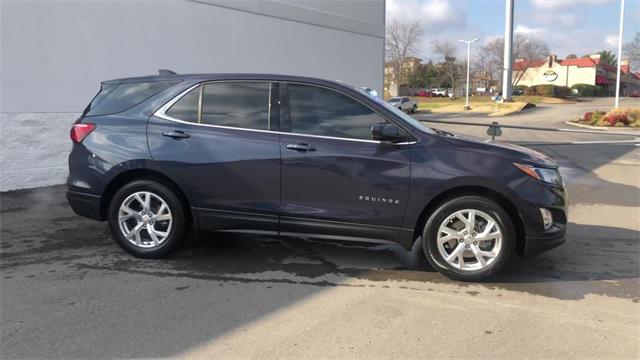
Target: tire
(151, 224)
(472, 251)
(414, 109)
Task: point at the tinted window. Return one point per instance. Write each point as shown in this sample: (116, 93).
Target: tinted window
(236, 104)
(186, 108)
(115, 98)
(319, 111)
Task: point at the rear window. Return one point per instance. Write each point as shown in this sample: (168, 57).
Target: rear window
(115, 98)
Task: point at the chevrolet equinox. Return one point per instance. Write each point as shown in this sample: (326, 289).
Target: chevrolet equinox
(161, 156)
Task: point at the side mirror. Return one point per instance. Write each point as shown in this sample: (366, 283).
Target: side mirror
(386, 132)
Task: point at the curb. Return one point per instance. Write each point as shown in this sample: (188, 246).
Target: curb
(606, 128)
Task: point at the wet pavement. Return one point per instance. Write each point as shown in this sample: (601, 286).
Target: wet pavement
(68, 291)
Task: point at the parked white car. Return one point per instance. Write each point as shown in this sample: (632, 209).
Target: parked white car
(439, 92)
(404, 103)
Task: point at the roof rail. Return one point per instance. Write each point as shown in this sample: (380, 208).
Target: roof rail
(166, 72)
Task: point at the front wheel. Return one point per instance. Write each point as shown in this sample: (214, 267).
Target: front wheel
(147, 219)
(414, 109)
(469, 238)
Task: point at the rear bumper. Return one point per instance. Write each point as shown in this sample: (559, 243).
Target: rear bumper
(87, 205)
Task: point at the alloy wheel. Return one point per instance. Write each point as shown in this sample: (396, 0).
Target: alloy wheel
(469, 240)
(145, 219)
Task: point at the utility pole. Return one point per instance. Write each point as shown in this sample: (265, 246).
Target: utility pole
(468, 42)
(617, 102)
(508, 53)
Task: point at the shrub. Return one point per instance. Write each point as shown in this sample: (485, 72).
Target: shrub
(631, 114)
(615, 119)
(585, 89)
(529, 91)
(548, 90)
(562, 91)
(596, 116)
(545, 90)
(587, 117)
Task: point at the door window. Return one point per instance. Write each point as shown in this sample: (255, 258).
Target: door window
(235, 104)
(319, 111)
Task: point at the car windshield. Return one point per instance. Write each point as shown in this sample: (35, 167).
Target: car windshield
(400, 113)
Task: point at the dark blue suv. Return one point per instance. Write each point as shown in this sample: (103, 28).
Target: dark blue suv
(161, 156)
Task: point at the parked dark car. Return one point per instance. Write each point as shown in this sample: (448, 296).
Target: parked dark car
(160, 157)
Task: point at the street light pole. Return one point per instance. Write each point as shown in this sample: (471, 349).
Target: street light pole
(468, 42)
(617, 102)
(508, 54)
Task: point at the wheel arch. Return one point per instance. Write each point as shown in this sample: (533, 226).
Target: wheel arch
(510, 208)
(142, 174)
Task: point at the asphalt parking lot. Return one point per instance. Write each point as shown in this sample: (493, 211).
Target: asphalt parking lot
(68, 291)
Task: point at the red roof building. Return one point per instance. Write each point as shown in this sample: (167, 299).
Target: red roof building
(568, 72)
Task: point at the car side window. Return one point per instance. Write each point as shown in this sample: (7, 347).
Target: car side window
(319, 111)
(236, 104)
(405, 100)
(186, 108)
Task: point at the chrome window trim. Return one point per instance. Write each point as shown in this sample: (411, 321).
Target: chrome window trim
(161, 113)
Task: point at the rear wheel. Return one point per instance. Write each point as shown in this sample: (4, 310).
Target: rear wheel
(414, 109)
(147, 219)
(469, 238)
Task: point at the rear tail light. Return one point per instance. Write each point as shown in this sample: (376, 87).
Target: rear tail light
(80, 131)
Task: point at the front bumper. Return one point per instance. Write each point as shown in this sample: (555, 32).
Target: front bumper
(552, 198)
(84, 204)
(536, 245)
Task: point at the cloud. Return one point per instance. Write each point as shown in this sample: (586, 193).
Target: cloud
(440, 20)
(436, 16)
(612, 40)
(559, 4)
(562, 19)
(526, 30)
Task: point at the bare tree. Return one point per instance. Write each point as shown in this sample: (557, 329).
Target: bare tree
(526, 47)
(403, 39)
(451, 70)
(632, 50)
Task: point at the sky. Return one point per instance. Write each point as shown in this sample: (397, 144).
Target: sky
(567, 26)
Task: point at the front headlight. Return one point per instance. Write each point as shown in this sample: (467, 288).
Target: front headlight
(551, 176)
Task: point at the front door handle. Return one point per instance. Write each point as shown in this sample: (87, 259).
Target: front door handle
(177, 134)
(301, 147)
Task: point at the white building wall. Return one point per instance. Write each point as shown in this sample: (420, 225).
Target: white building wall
(55, 53)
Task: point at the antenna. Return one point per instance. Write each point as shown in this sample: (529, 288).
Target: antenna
(166, 72)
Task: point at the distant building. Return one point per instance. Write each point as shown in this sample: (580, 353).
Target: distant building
(568, 72)
(481, 82)
(394, 88)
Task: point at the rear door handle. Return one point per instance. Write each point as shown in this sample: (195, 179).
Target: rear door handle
(176, 134)
(301, 147)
